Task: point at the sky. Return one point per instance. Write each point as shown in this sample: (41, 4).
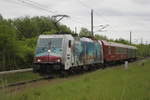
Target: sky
(120, 16)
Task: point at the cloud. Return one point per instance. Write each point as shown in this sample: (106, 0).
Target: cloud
(114, 12)
(142, 2)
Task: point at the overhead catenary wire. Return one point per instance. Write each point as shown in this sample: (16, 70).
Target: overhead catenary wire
(28, 2)
(36, 3)
(31, 4)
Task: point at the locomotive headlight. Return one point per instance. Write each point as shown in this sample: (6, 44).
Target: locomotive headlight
(49, 51)
(58, 60)
(38, 60)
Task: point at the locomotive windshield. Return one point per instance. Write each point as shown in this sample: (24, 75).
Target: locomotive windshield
(52, 44)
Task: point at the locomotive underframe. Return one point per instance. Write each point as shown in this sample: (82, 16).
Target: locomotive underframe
(48, 67)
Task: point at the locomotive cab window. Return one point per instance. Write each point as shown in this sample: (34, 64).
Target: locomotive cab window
(53, 44)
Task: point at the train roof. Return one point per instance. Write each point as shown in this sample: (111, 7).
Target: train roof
(118, 45)
(86, 39)
(54, 36)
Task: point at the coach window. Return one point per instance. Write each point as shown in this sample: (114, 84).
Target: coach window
(109, 50)
(113, 50)
(121, 50)
(118, 50)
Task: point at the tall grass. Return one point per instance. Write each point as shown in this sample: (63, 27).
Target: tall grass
(3, 95)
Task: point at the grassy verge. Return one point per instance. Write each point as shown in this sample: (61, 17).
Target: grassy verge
(114, 83)
(17, 77)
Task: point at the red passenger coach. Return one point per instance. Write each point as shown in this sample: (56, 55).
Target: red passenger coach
(117, 52)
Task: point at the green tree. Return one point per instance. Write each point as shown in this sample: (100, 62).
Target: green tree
(25, 28)
(121, 40)
(1, 17)
(101, 37)
(85, 32)
(8, 48)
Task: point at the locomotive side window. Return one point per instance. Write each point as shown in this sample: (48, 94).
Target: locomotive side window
(69, 44)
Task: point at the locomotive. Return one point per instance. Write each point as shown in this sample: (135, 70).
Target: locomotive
(64, 52)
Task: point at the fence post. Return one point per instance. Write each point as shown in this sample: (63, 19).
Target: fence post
(126, 65)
